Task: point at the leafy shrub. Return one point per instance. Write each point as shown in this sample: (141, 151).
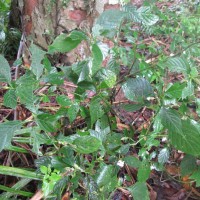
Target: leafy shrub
(89, 159)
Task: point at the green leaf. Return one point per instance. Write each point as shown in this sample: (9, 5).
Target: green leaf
(55, 78)
(78, 35)
(188, 91)
(46, 122)
(10, 99)
(196, 177)
(73, 111)
(132, 161)
(188, 140)
(105, 175)
(96, 110)
(86, 144)
(137, 89)
(139, 191)
(175, 90)
(63, 100)
(188, 165)
(64, 43)
(108, 78)
(97, 58)
(37, 57)
(171, 120)
(5, 74)
(110, 19)
(7, 130)
(178, 64)
(131, 107)
(143, 172)
(163, 156)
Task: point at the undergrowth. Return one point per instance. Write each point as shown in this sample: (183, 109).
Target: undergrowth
(158, 51)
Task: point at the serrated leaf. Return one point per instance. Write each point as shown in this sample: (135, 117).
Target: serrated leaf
(4, 70)
(105, 175)
(73, 111)
(188, 91)
(110, 19)
(86, 144)
(96, 110)
(171, 120)
(132, 161)
(188, 165)
(37, 57)
(63, 100)
(139, 191)
(46, 122)
(7, 130)
(188, 140)
(137, 89)
(143, 172)
(163, 156)
(196, 177)
(10, 99)
(97, 58)
(108, 78)
(178, 64)
(175, 90)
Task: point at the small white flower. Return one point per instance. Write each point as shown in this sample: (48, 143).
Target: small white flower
(120, 163)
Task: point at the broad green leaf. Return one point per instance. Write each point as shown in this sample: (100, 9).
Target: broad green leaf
(37, 57)
(175, 90)
(85, 74)
(188, 91)
(7, 130)
(163, 155)
(137, 89)
(86, 144)
(188, 140)
(46, 122)
(97, 58)
(132, 161)
(139, 191)
(132, 107)
(64, 43)
(143, 172)
(5, 74)
(63, 100)
(177, 64)
(73, 111)
(110, 19)
(196, 177)
(55, 78)
(108, 78)
(78, 35)
(188, 165)
(94, 193)
(105, 175)
(10, 99)
(171, 120)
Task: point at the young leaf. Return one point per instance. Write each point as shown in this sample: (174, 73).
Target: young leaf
(143, 172)
(163, 156)
(137, 89)
(175, 91)
(37, 57)
(96, 110)
(63, 100)
(7, 130)
(196, 177)
(188, 91)
(73, 111)
(132, 161)
(10, 99)
(86, 144)
(5, 74)
(97, 58)
(139, 191)
(108, 78)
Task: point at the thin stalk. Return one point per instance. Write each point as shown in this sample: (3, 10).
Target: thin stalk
(14, 191)
(23, 173)
(20, 184)
(16, 149)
